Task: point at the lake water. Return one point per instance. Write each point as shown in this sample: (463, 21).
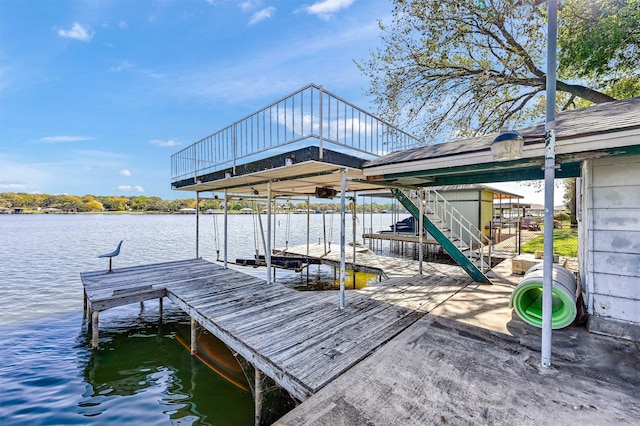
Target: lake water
(141, 374)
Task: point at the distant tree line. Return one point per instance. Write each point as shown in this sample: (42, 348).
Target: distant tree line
(89, 203)
(111, 203)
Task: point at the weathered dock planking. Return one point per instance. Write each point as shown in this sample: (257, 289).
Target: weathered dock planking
(300, 339)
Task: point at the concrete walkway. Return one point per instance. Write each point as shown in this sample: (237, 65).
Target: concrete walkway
(473, 361)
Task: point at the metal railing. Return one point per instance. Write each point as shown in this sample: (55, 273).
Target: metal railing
(309, 116)
(468, 235)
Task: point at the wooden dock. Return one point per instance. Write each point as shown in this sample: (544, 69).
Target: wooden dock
(300, 339)
(368, 261)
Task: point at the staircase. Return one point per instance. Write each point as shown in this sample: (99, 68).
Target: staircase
(464, 242)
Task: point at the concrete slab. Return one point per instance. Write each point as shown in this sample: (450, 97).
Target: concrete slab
(473, 361)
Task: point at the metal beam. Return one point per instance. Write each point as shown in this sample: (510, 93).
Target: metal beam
(343, 189)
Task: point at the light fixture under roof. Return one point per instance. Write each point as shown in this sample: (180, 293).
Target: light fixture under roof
(508, 145)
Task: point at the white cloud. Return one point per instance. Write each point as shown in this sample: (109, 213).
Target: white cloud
(77, 32)
(128, 66)
(249, 5)
(32, 176)
(123, 66)
(129, 188)
(13, 186)
(62, 139)
(263, 14)
(325, 8)
(167, 143)
(283, 66)
(126, 173)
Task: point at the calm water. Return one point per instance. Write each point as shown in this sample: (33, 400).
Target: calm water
(142, 374)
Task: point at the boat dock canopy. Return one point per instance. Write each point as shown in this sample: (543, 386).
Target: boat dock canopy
(297, 144)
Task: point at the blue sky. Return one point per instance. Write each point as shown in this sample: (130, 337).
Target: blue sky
(96, 95)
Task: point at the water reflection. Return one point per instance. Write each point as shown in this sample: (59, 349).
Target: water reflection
(143, 365)
(320, 277)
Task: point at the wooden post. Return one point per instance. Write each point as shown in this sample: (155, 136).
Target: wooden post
(94, 329)
(84, 309)
(194, 337)
(258, 396)
(160, 308)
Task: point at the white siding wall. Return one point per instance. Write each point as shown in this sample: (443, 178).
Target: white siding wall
(610, 244)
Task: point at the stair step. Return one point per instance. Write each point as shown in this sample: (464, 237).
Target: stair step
(464, 254)
(470, 254)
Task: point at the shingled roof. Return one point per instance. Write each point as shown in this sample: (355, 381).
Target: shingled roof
(596, 119)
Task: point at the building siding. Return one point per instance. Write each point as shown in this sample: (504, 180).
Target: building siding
(610, 243)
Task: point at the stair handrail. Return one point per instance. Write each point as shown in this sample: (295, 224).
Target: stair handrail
(440, 207)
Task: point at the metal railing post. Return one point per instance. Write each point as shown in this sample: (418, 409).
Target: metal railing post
(321, 120)
(235, 146)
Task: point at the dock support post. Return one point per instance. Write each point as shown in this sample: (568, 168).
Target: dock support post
(197, 224)
(85, 304)
(94, 329)
(194, 337)
(343, 189)
(353, 233)
(160, 308)
(308, 225)
(226, 226)
(258, 397)
(267, 254)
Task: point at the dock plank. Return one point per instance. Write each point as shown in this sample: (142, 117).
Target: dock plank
(302, 339)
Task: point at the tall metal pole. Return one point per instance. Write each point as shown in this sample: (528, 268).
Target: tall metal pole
(343, 189)
(353, 228)
(420, 229)
(308, 224)
(267, 254)
(197, 224)
(226, 226)
(549, 177)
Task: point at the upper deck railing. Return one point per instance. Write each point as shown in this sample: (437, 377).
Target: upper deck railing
(309, 116)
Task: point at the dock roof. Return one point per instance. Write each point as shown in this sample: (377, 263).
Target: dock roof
(607, 129)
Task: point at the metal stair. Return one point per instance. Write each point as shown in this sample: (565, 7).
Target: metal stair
(464, 242)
